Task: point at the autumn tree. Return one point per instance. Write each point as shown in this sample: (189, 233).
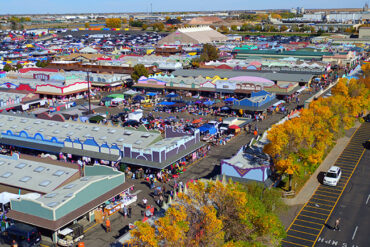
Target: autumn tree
(217, 214)
(87, 25)
(139, 71)
(299, 145)
(113, 22)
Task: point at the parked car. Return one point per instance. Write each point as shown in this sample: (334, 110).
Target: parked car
(332, 177)
(24, 235)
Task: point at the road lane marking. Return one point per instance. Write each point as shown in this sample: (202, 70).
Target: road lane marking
(322, 228)
(304, 239)
(304, 232)
(314, 212)
(354, 234)
(329, 192)
(320, 203)
(316, 229)
(312, 217)
(310, 222)
(368, 197)
(294, 243)
(319, 208)
(335, 197)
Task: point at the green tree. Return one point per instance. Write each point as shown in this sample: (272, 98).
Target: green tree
(139, 71)
(7, 67)
(144, 26)
(209, 53)
(283, 28)
(234, 28)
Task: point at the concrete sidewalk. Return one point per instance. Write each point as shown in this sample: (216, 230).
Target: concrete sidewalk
(306, 192)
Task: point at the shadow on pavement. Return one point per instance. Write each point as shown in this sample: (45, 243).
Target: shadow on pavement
(216, 171)
(320, 177)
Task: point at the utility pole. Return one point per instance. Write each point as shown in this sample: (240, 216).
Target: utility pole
(88, 90)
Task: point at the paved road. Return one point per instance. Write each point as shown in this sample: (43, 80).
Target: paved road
(315, 218)
(353, 209)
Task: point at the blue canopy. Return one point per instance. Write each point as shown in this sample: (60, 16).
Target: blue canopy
(229, 99)
(172, 95)
(209, 102)
(208, 127)
(151, 94)
(166, 103)
(138, 97)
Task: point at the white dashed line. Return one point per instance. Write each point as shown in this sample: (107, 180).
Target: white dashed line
(354, 233)
(368, 197)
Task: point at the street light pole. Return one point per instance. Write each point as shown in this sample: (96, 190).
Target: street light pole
(88, 90)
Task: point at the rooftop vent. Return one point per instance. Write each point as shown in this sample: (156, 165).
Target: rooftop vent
(58, 173)
(25, 179)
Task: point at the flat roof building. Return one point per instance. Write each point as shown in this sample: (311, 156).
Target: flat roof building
(132, 146)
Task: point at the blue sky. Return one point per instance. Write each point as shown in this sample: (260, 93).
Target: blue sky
(88, 6)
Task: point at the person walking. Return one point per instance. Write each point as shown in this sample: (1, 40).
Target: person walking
(107, 225)
(336, 226)
(14, 244)
(129, 211)
(125, 211)
(145, 201)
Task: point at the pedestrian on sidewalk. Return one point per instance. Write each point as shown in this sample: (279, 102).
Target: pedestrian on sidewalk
(336, 226)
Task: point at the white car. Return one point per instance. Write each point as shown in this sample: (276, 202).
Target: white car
(332, 176)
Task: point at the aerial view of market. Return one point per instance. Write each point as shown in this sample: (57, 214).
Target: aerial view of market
(164, 124)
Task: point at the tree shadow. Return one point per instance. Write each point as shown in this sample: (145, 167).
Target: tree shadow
(320, 177)
(122, 231)
(216, 171)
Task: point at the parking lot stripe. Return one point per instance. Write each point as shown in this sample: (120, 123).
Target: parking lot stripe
(322, 199)
(314, 212)
(329, 188)
(311, 222)
(311, 217)
(294, 243)
(320, 203)
(335, 197)
(358, 161)
(331, 192)
(318, 208)
(317, 211)
(300, 238)
(316, 229)
(304, 232)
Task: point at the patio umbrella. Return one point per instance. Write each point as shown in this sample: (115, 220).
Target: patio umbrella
(229, 99)
(166, 103)
(208, 103)
(172, 95)
(234, 127)
(196, 121)
(151, 94)
(138, 98)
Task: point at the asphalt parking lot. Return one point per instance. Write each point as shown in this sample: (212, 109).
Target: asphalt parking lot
(315, 218)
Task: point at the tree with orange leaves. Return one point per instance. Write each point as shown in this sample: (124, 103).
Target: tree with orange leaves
(217, 214)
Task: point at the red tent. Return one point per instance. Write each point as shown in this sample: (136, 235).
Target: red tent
(234, 127)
